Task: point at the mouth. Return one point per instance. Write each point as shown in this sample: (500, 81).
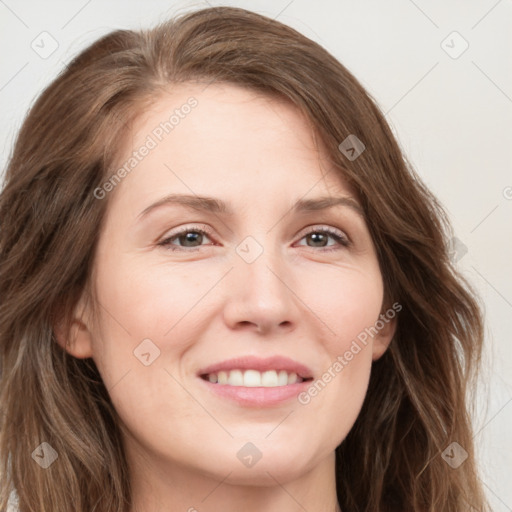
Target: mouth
(254, 382)
(254, 378)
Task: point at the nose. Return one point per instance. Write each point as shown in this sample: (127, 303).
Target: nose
(260, 295)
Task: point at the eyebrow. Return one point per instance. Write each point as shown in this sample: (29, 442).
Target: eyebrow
(217, 206)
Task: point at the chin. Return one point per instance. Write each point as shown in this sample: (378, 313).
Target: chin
(262, 462)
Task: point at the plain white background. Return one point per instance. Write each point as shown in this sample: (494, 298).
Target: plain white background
(447, 96)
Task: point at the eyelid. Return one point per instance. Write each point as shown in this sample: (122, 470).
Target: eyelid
(324, 227)
(342, 238)
(200, 228)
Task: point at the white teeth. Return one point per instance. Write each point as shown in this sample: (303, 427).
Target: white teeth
(254, 378)
(236, 378)
(269, 379)
(282, 378)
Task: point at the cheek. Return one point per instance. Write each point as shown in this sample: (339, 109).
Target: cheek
(349, 305)
(349, 302)
(143, 330)
(150, 318)
(147, 300)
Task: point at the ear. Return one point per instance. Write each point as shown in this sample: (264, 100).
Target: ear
(386, 330)
(75, 338)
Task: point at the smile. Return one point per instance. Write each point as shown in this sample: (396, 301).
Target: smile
(252, 381)
(253, 378)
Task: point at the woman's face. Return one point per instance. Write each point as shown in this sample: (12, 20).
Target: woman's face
(219, 262)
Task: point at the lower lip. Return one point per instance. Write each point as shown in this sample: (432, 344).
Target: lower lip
(257, 396)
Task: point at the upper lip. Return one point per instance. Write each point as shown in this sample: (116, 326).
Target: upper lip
(260, 364)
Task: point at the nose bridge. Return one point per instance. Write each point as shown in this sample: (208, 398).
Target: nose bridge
(260, 268)
(259, 290)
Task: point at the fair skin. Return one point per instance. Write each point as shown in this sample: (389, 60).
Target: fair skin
(305, 297)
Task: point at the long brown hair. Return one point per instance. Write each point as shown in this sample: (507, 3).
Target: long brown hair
(418, 400)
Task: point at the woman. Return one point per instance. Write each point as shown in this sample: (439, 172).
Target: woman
(222, 286)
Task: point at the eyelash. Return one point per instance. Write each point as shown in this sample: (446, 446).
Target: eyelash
(340, 238)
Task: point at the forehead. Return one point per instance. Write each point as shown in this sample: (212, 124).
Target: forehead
(222, 139)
